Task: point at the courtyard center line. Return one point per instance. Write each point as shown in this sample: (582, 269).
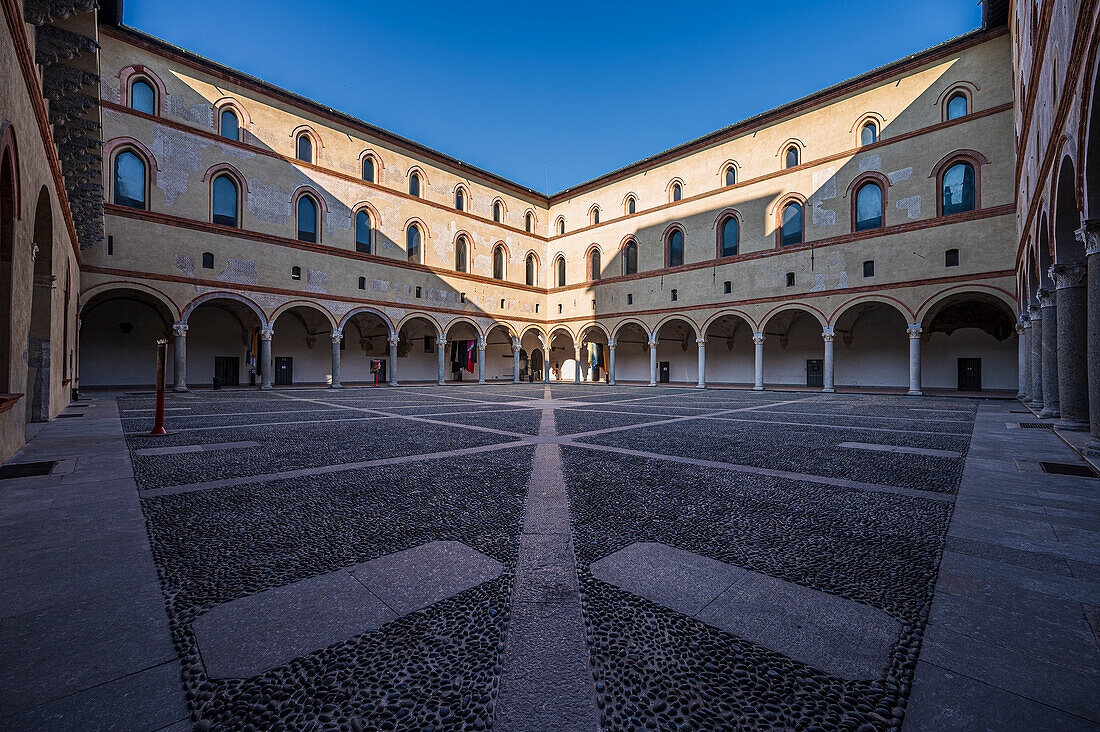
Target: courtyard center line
(546, 682)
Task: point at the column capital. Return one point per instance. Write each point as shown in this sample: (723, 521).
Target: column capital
(393, 339)
(1021, 327)
(701, 341)
(515, 343)
(1034, 314)
(914, 330)
(179, 330)
(1046, 298)
(440, 340)
(337, 336)
(481, 342)
(1089, 235)
(828, 333)
(266, 331)
(611, 343)
(1068, 275)
(576, 347)
(758, 338)
(652, 340)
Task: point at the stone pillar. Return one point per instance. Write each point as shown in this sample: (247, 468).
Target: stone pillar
(546, 362)
(653, 358)
(611, 361)
(702, 368)
(1090, 234)
(179, 338)
(480, 360)
(914, 330)
(758, 341)
(1050, 355)
(515, 360)
(1036, 360)
(828, 334)
(337, 336)
(440, 353)
(393, 358)
(267, 366)
(577, 359)
(1021, 358)
(1071, 300)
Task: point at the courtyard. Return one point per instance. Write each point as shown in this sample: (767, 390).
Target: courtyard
(565, 557)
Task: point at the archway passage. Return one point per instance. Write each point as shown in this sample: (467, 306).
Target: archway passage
(417, 344)
(594, 355)
(677, 353)
(9, 210)
(119, 330)
(794, 351)
(226, 339)
(871, 347)
(44, 287)
(301, 347)
(465, 359)
(500, 359)
(563, 356)
(532, 356)
(631, 353)
(730, 357)
(365, 341)
(967, 344)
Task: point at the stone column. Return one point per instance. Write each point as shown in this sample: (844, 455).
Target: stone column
(758, 341)
(1071, 300)
(515, 360)
(702, 368)
(1021, 358)
(393, 358)
(179, 337)
(1036, 360)
(914, 330)
(577, 359)
(545, 362)
(653, 359)
(480, 360)
(1050, 355)
(267, 366)
(828, 334)
(337, 336)
(611, 361)
(1090, 234)
(440, 353)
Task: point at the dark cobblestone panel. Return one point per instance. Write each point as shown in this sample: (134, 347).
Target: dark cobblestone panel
(524, 421)
(572, 421)
(962, 428)
(658, 669)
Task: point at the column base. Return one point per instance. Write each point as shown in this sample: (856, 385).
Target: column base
(180, 389)
(915, 392)
(440, 383)
(652, 383)
(1092, 447)
(481, 381)
(336, 386)
(611, 383)
(1021, 396)
(393, 383)
(265, 386)
(700, 386)
(758, 388)
(1049, 413)
(1073, 425)
(828, 390)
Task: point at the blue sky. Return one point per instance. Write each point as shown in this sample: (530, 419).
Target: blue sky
(553, 94)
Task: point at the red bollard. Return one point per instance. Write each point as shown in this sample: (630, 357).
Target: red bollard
(162, 356)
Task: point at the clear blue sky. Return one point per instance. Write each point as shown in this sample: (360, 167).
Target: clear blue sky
(580, 88)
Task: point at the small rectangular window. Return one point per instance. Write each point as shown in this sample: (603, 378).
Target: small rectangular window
(869, 268)
(593, 304)
(674, 296)
(727, 287)
(629, 299)
(418, 292)
(951, 258)
(362, 283)
(536, 307)
(207, 260)
(462, 297)
(559, 308)
(790, 279)
(501, 304)
(110, 245)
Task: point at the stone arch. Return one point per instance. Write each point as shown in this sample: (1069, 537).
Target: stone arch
(119, 324)
(467, 321)
(305, 304)
(363, 309)
(532, 327)
(676, 316)
(413, 316)
(886, 300)
(172, 310)
(779, 311)
(1067, 218)
(1089, 145)
(985, 293)
(39, 345)
(726, 312)
(628, 321)
(224, 295)
(583, 330)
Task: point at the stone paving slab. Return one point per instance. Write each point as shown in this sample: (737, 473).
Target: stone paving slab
(834, 634)
(899, 448)
(178, 449)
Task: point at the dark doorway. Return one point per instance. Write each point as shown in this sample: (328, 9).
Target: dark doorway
(382, 372)
(227, 370)
(284, 370)
(815, 372)
(663, 371)
(970, 374)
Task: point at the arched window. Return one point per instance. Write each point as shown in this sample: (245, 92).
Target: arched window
(532, 270)
(208, 260)
(307, 219)
(560, 264)
(462, 253)
(561, 227)
(498, 211)
(958, 190)
(498, 262)
(412, 243)
(957, 106)
(869, 134)
(594, 265)
(631, 205)
(630, 258)
(790, 230)
(729, 232)
(677, 192)
(295, 273)
(414, 185)
(460, 199)
(229, 125)
(674, 248)
(869, 207)
(368, 169)
(129, 180)
(790, 159)
(142, 97)
(305, 148)
(362, 232)
(595, 215)
(731, 175)
(226, 195)
(529, 222)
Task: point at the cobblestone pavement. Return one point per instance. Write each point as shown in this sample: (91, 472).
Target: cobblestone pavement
(588, 557)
